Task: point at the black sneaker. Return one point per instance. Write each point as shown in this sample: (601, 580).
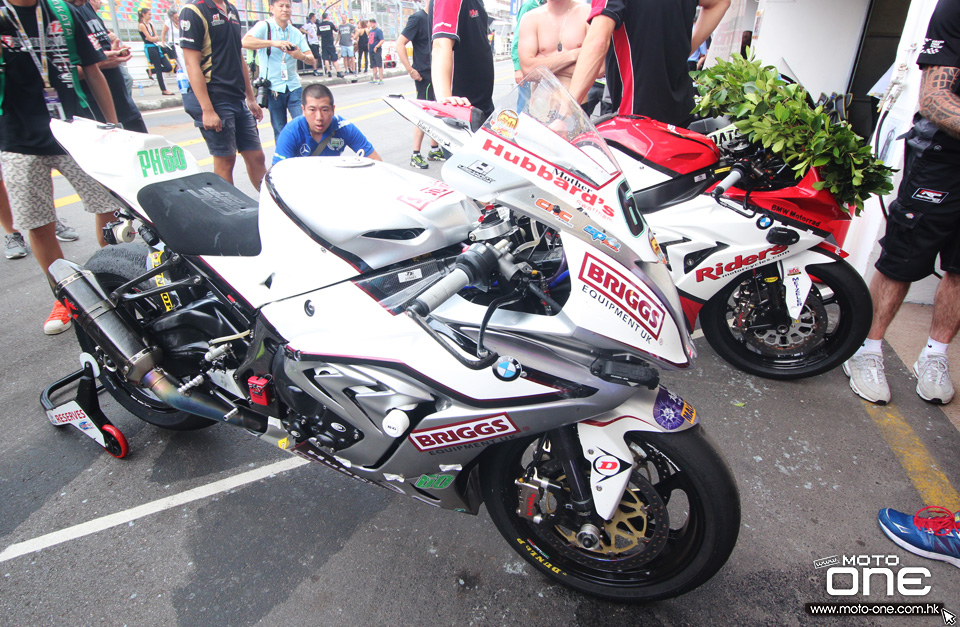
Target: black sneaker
(436, 155)
(417, 160)
(329, 74)
(339, 74)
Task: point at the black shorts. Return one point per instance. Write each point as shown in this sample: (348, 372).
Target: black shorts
(376, 58)
(329, 53)
(924, 220)
(315, 50)
(425, 87)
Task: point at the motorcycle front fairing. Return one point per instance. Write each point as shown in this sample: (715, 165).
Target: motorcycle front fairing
(540, 155)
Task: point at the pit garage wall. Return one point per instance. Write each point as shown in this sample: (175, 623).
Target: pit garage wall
(814, 41)
(900, 105)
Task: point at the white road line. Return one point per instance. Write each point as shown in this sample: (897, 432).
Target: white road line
(119, 518)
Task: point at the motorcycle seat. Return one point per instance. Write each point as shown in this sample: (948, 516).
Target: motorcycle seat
(202, 214)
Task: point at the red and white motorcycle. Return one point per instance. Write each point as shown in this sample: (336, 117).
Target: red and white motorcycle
(750, 254)
(490, 338)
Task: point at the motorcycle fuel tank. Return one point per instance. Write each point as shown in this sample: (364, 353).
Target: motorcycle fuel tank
(369, 213)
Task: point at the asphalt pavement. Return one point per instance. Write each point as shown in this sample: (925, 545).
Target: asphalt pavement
(213, 528)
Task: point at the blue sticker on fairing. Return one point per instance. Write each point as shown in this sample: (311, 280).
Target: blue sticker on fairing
(670, 411)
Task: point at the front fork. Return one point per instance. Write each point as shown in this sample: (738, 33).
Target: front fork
(602, 442)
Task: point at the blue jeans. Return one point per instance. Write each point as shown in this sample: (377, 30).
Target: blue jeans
(281, 103)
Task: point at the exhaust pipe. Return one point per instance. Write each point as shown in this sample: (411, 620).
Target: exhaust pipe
(136, 360)
(79, 290)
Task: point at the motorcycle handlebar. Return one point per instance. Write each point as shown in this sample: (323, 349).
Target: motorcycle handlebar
(438, 293)
(731, 179)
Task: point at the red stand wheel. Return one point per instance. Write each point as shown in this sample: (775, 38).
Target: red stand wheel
(116, 443)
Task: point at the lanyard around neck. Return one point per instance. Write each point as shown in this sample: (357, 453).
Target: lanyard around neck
(41, 63)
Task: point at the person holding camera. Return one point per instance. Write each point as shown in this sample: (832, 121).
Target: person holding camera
(219, 84)
(278, 87)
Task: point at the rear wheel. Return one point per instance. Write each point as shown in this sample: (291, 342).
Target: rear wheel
(113, 266)
(739, 324)
(675, 526)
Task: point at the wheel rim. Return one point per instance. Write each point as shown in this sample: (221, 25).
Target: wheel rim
(669, 538)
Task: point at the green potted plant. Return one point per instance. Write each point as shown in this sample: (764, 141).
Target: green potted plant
(768, 111)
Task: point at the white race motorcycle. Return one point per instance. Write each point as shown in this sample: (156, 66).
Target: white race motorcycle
(490, 338)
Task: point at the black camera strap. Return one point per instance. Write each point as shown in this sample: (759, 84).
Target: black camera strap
(322, 145)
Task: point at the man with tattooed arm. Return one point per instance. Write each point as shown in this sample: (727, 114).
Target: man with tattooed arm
(924, 221)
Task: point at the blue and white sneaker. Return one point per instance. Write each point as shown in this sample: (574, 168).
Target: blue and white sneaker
(935, 535)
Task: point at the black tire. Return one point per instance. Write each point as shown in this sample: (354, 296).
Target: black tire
(676, 552)
(833, 324)
(113, 266)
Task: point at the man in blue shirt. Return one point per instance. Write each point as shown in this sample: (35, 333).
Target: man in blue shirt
(320, 131)
(279, 66)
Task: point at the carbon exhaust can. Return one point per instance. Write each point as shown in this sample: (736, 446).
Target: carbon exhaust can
(79, 290)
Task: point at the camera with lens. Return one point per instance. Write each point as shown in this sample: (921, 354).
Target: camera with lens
(262, 85)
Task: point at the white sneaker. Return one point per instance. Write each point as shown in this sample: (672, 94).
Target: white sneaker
(933, 379)
(13, 246)
(866, 377)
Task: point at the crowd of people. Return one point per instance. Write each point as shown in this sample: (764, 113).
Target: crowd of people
(644, 50)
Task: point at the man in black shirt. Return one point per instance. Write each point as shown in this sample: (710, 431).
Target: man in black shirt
(328, 50)
(924, 222)
(127, 111)
(219, 83)
(647, 68)
(417, 32)
(28, 150)
(462, 61)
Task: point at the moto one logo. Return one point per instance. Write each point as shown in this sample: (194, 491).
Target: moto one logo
(863, 574)
(463, 432)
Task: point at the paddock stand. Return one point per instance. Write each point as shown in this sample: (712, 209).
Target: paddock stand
(84, 412)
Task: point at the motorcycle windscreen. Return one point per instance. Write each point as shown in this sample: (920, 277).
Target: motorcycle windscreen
(122, 161)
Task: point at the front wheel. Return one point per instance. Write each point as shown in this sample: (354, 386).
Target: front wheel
(675, 526)
(740, 323)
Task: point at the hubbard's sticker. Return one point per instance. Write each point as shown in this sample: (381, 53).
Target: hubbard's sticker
(670, 411)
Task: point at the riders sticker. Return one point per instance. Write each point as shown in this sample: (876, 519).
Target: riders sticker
(720, 270)
(460, 433)
(670, 411)
(930, 195)
(478, 170)
(583, 194)
(634, 301)
(505, 125)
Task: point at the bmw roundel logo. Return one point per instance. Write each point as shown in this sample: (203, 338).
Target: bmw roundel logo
(764, 222)
(508, 369)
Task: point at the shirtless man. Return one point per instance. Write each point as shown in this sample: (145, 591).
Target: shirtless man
(551, 37)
